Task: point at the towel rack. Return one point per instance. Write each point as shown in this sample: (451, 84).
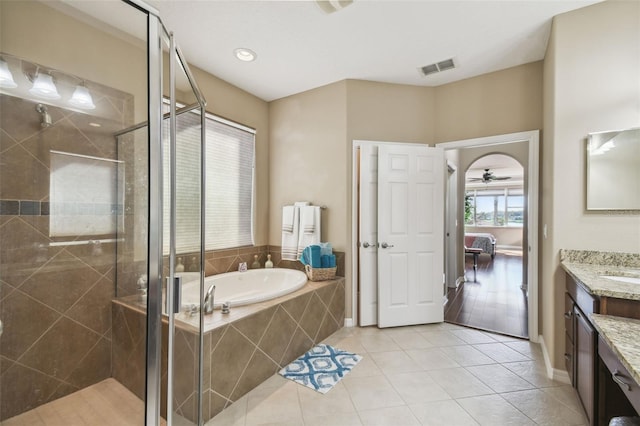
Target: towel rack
(311, 205)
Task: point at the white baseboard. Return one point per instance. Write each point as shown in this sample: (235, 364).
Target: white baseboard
(348, 322)
(553, 373)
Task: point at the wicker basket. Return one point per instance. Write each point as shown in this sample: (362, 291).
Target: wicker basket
(320, 274)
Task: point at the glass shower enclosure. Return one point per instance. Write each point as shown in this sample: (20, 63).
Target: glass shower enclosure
(91, 168)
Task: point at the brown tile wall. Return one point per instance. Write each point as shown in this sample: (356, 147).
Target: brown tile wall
(55, 301)
(238, 355)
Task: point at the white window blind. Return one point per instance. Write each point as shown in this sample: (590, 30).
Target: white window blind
(230, 151)
(230, 182)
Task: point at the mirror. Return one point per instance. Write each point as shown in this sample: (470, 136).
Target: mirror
(613, 170)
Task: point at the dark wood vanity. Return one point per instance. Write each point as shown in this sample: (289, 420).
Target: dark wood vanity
(604, 386)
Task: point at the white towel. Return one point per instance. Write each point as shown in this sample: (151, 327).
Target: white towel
(290, 239)
(307, 220)
(301, 203)
(310, 220)
(288, 216)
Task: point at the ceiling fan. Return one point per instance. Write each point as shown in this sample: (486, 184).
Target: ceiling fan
(488, 176)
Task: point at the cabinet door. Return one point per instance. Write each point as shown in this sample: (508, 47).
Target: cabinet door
(585, 370)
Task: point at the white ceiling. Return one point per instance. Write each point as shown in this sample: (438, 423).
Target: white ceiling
(300, 47)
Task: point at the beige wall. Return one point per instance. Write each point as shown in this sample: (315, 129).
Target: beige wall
(501, 102)
(308, 160)
(590, 84)
(305, 125)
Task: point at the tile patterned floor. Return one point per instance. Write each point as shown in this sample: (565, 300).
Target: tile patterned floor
(440, 374)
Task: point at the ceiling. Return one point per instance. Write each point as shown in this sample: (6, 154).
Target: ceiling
(301, 47)
(500, 165)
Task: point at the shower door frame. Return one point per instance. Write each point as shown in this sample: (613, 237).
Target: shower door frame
(155, 32)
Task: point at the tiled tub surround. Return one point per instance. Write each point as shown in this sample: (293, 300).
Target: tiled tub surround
(55, 300)
(587, 267)
(241, 349)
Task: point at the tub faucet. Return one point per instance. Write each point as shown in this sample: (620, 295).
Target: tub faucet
(208, 300)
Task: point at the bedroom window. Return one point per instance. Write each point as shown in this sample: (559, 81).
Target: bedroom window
(496, 207)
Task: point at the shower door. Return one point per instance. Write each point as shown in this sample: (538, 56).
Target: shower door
(183, 241)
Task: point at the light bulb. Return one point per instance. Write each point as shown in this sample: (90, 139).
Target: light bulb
(82, 98)
(43, 87)
(6, 78)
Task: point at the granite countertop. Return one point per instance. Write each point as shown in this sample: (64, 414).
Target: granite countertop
(621, 334)
(587, 267)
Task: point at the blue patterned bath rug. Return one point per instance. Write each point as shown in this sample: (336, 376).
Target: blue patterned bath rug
(321, 367)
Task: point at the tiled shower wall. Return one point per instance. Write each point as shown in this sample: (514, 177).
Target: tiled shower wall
(55, 300)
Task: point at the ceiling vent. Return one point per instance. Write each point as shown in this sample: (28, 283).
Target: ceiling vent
(447, 64)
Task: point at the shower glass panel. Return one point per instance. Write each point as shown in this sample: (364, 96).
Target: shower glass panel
(183, 143)
(83, 188)
(69, 197)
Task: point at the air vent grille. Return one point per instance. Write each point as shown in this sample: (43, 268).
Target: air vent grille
(447, 64)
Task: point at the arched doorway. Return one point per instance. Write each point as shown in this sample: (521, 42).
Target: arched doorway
(493, 296)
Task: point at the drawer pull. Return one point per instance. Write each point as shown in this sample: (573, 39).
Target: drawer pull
(567, 315)
(616, 378)
(567, 356)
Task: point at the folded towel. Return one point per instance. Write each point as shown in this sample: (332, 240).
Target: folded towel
(328, 261)
(326, 249)
(309, 238)
(288, 215)
(291, 239)
(308, 219)
(316, 259)
(301, 203)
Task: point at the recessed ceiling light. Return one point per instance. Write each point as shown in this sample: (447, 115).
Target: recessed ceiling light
(92, 124)
(244, 54)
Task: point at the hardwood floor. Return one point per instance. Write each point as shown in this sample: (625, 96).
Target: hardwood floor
(494, 301)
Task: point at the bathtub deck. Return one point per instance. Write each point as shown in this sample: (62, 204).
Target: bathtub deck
(215, 320)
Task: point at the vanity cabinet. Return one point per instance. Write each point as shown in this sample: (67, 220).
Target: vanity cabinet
(582, 358)
(581, 354)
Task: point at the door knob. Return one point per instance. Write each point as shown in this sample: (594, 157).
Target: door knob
(366, 245)
(385, 245)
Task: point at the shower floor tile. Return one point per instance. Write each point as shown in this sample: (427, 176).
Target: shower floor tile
(105, 403)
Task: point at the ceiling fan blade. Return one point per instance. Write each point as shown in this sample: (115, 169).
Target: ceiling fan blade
(500, 178)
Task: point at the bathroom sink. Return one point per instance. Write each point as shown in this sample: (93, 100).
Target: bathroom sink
(631, 280)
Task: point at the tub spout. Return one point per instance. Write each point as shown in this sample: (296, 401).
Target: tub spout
(208, 300)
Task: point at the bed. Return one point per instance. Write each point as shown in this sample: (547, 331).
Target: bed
(486, 242)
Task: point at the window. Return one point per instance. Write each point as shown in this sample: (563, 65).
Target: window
(229, 185)
(496, 207)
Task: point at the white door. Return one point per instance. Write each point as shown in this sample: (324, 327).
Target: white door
(410, 235)
(368, 234)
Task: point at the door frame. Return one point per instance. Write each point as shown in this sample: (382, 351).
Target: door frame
(533, 139)
(355, 278)
(451, 219)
